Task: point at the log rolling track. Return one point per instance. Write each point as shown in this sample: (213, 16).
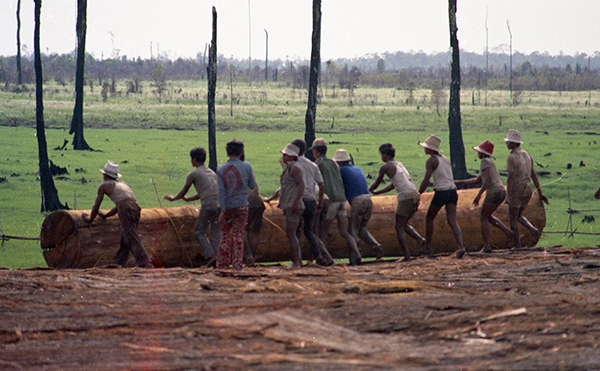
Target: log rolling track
(532, 309)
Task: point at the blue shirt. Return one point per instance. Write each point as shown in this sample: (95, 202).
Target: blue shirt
(233, 180)
(355, 183)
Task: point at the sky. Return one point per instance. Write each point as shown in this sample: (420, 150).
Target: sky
(350, 28)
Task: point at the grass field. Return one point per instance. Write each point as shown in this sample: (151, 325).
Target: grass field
(152, 141)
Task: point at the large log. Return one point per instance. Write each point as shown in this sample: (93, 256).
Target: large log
(167, 234)
(273, 243)
(68, 241)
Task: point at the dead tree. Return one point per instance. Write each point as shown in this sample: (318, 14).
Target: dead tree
(19, 73)
(266, 55)
(212, 87)
(79, 142)
(315, 61)
(457, 148)
(50, 201)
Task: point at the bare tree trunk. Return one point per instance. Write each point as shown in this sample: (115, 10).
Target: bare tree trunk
(212, 87)
(457, 148)
(510, 72)
(19, 73)
(315, 62)
(266, 55)
(79, 142)
(50, 201)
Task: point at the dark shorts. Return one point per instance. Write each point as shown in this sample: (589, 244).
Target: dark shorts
(441, 198)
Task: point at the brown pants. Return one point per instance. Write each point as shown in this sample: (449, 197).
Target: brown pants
(129, 217)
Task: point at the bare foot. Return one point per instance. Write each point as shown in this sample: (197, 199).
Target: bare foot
(486, 249)
(535, 237)
(378, 252)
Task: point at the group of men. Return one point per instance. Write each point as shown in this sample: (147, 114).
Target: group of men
(314, 194)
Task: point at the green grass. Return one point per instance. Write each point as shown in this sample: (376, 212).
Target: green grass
(557, 130)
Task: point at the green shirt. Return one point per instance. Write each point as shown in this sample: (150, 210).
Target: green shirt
(334, 186)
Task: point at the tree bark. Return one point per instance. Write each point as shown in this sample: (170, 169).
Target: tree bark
(212, 87)
(79, 142)
(457, 148)
(50, 201)
(315, 62)
(19, 73)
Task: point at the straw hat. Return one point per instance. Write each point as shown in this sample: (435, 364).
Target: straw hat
(341, 155)
(486, 147)
(432, 142)
(319, 142)
(513, 136)
(291, 150)
(111, 169)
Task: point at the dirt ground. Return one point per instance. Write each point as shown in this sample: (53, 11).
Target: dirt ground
(534, 309)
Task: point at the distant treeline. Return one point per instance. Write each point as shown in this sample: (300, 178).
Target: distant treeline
(401, 70)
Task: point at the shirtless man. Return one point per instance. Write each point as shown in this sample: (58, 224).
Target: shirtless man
(129, 215)
(408, 196)
(445, 194)
(519, 166)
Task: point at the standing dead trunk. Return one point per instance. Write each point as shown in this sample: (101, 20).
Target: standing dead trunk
(457, 148)
(266, 55)
(212, 87)
(315, 61)
(50, 201)
(79, 142)
(19, 73)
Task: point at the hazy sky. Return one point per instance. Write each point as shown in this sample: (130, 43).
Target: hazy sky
(350, 28)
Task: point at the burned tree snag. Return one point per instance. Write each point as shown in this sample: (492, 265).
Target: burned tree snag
(79, 142)
(50, 201)
(315, 61)
(457, 148)
(19, 73)
(212, 87)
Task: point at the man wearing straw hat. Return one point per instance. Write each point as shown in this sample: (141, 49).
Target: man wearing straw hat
(290, 199)
(334, 190)
(438, 166)
(495, 194)
(129, 215)
(519, 165)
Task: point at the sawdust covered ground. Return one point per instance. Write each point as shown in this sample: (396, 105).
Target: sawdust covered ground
(536, 309)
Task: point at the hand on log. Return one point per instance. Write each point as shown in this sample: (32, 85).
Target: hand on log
(86, 217)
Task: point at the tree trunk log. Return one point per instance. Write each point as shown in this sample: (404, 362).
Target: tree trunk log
(168, 233)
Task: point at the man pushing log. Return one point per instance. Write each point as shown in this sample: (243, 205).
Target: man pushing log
(129, 215)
